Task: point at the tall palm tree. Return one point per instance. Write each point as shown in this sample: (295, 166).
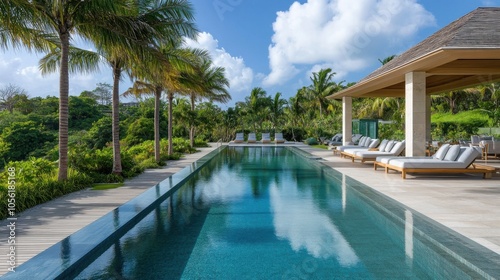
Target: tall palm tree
(277, 110)
(97, 21)
(140, 88)
(205, 82)
(323, 86)
(127, 38)
(256, 106)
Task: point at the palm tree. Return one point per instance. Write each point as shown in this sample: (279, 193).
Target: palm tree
(206, 81)
(97, 21)
(140, 88)
(387, 59)
(127, 41)
(255, 106)
(277, 110)
(323, 86)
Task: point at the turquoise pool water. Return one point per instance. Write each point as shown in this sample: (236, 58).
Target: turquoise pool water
(263, 213)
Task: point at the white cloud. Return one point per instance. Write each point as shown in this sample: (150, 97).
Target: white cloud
(337, 33)
(21, 68)
(239, 75)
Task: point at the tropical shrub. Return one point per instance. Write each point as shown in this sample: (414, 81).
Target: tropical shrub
(36, 182)
(200, 142)
(311, 141)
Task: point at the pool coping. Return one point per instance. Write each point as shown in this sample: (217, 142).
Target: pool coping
(70, 256)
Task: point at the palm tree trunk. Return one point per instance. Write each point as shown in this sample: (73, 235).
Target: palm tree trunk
(63, 108)
(157, 123)
(170, 118)
(117, 160)
(191, 130)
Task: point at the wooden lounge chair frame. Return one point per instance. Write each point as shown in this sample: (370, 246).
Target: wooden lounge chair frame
(486, 170)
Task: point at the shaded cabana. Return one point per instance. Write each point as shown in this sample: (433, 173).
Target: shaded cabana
(463, 54)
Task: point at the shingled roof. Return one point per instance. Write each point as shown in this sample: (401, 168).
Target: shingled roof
(472, 41)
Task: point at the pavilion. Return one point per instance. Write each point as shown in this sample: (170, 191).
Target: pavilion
(463, 54)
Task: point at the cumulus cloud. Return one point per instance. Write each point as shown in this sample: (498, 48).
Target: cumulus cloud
(336, 32)
(239, 75)
(21, 69)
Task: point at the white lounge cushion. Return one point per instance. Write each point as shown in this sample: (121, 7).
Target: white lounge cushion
(367, 142)
(373, 143)
(441, 152)
(362, 141)
(467, 156)
(452, 153)
(389, 145)
(372, 154)
(343, 148)
(388, 159)
(426, 163)
(382, 145)
(398, 148)
(353, 151)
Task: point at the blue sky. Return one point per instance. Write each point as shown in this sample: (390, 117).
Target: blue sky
(276, 45)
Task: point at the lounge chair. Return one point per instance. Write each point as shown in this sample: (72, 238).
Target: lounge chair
(362, 143)
(266, 138)
(393, 148)
(278, 138)
(239, 138)
(366, 144)
(490, 147)
(450, 159)
(252, 138)
(335, 141)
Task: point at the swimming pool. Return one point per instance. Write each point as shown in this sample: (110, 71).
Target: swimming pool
(268, 213)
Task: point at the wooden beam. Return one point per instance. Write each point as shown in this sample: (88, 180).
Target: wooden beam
(468, 67)
(462, 83)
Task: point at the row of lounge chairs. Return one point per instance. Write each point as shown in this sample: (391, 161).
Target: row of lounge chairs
(266, 138)
(386, 154)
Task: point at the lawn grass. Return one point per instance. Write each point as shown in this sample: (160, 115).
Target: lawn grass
(324, 147)
(108, 186)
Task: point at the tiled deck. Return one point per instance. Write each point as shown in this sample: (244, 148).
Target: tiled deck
(467, 204)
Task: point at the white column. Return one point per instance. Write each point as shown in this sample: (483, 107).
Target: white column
(416, 117)
(346, 119)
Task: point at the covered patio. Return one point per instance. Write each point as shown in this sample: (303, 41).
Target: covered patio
(463, 54)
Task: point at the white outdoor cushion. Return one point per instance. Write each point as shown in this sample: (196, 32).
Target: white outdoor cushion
(382, 145)
(374, 143)
(343, 148)
(389, 159)
(372, 154)
(389, 145)
(441, 152)
(361, 140)
(452, 153)
(426, 163)
(354, 150)
(367, 142)
(398, 148)
(467, 156)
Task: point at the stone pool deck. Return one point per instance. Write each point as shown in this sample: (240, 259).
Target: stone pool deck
(467, 204)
